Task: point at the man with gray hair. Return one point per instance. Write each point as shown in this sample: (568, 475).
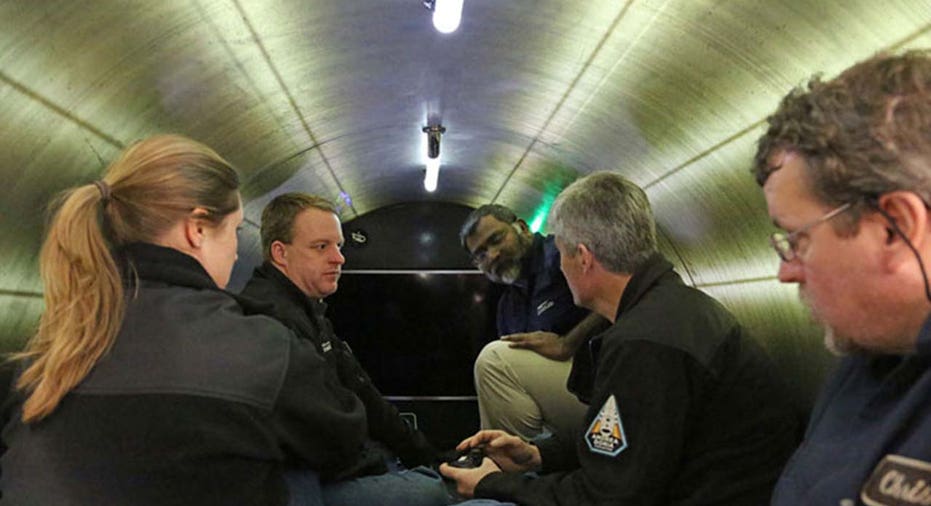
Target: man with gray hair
(845, 167)
(685, 408)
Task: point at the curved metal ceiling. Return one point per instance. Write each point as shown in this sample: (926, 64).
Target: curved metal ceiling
(330, 97)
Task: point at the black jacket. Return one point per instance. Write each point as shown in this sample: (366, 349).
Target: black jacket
(686, 410)
(196, 403)
(306, 317)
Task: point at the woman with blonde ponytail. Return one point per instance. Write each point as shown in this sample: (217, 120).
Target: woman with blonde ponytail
(148, 384)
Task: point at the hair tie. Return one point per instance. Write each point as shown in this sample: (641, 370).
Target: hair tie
(104, 191)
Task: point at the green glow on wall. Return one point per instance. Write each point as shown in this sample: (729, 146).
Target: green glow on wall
(537, 222)
(542, 212)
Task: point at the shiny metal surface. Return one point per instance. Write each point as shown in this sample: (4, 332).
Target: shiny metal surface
(330, 97)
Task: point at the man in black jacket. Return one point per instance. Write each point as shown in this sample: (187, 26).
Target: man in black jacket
(685, 409)
(301, 242)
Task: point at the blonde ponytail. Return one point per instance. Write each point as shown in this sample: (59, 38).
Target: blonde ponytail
(83, 303)
(150, 187)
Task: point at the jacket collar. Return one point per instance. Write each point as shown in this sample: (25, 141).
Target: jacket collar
(159, 263)
(643, 279)
(293, 293)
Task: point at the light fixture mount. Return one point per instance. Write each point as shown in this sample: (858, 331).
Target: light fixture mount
(433, 139)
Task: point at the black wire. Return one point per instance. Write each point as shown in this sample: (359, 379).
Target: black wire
(875, 205)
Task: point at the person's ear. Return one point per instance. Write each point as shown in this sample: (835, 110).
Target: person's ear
(907, 211)
(279, 253)
(586, 257)
(195, 228)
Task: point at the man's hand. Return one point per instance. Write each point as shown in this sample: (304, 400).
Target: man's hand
(467, 479)
(511, 453)
(503, 452)
(548, 344)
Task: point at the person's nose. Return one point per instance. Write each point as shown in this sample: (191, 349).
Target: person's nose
(338, 258)
(492, 254)
(791, 271)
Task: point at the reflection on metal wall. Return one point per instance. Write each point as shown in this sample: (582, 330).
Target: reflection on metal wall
(331, 97)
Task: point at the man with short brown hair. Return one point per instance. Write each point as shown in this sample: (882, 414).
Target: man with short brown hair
(845, 167)
(302, 238)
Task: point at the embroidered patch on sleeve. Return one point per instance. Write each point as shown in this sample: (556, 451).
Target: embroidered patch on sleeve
(898, 480)
(606, 433)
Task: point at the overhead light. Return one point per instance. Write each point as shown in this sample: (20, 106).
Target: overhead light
(434, 132)
(446, 14)
(432, 175)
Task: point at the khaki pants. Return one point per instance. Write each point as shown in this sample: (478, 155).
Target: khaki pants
(523, 393)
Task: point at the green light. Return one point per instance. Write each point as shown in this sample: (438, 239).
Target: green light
(539, 217)
(561, 177)
(537, 222)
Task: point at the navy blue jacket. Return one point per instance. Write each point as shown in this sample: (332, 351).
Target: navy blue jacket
(540, 299)
(869, 438)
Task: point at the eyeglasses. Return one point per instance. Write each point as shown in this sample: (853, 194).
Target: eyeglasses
(786, 244)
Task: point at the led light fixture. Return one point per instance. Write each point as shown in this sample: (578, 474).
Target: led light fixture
(432, 175)
(446, 14)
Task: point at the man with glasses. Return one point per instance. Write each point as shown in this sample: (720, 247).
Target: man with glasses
(845, 167)
(521, 379)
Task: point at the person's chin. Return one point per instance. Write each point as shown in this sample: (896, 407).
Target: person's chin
(838, 344)
(496, 277)
(325, 290)
(508, 280)
(509, 274)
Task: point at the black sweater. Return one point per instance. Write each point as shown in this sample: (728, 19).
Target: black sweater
(196, 403)
(306, 317)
